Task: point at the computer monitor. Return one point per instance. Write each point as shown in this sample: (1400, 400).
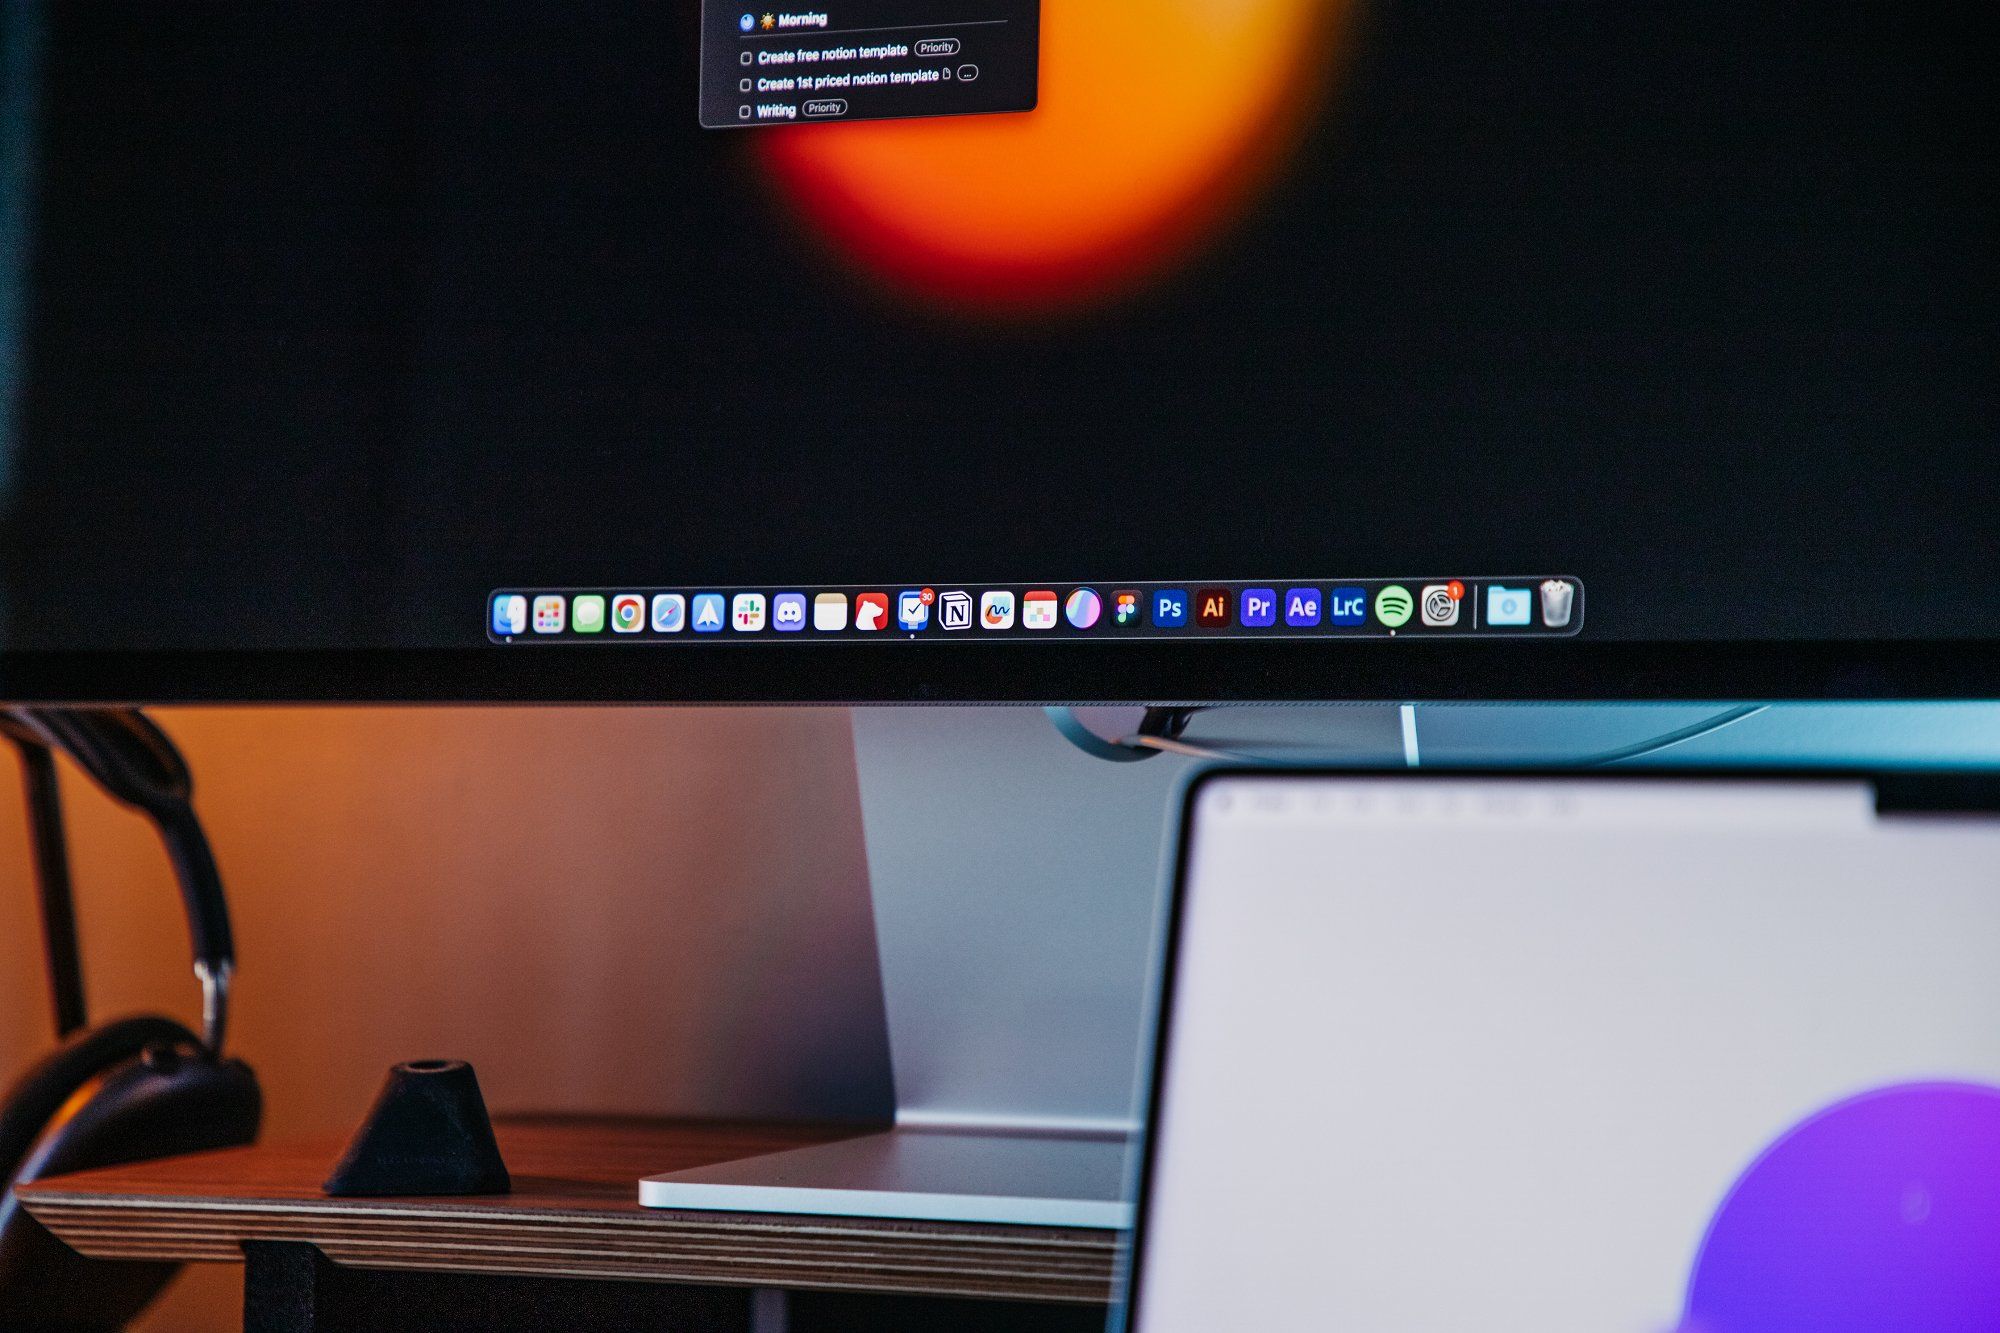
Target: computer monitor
(1162, 350)
(1575, 1054)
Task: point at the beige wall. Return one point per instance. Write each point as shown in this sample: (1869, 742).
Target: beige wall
(653, 911)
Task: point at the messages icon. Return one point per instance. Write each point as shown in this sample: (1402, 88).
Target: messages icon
(1507, 607)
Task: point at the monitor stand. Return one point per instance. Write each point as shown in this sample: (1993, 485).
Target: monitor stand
(1014, 881)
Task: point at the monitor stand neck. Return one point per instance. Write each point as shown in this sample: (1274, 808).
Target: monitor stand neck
(1015, 879)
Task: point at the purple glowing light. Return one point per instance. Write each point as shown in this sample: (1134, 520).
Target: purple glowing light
(1881, 1212)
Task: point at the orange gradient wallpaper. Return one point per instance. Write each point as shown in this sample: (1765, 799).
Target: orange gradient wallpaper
(1158, 122)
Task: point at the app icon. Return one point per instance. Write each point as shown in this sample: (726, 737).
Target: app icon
(1125, 608)
(708, 612)
(996, 610)
(1508, 606)
(788, 612)
(830, 612)
(913, 608)
(551, 613)
(1258, 608)
(510, 614)
(1347, 607)
(746, 613)
(587, 614)
(1558, 603)
(748, 23)
(1170, 608)
(1083, 608)
(1302, 608)
(871, 611)
(1394, 606)
(1441, 602)
(670, 613)
(1038, 610)
(628, 613)
(955, 610)
(1211, 608)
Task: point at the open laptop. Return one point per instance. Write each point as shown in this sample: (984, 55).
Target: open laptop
(1601, 1054)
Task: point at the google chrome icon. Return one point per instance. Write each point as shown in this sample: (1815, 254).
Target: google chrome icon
(1083, 608)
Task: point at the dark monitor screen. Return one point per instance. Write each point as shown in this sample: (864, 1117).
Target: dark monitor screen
(980, 349)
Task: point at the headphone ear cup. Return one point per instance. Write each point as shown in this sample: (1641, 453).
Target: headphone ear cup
(36, 1096)
(165, 1101)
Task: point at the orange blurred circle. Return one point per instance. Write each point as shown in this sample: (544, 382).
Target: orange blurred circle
(1157, 120)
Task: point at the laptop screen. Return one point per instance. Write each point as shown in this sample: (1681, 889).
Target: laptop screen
(1604, 1055)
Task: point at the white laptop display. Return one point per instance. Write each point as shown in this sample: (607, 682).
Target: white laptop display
(1590, 1055)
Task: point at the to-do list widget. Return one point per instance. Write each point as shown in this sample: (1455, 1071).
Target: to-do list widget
(867, 60)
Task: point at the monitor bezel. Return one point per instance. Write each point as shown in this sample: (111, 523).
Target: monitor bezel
(1188, 672)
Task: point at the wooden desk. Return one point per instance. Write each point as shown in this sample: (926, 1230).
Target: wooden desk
(570, 1238)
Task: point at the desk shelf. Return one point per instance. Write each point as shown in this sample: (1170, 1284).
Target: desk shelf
(573, 1214)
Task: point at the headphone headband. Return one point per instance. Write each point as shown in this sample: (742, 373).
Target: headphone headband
(138, 766)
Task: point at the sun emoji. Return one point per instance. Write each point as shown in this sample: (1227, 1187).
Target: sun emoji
(769, 21)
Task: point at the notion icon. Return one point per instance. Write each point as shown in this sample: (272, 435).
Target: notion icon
(1038, 610)
(996, 610)
(830, 612)
(871, 611)
(747, 612)
(510, 614)
(1440, 603)
(1558, 603)
(1508, 607)
(955, 610)
(1083, 608)
(788, 612)
(628, 613)
(670, 613)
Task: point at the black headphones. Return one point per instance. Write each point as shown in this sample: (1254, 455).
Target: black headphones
(131, 1090)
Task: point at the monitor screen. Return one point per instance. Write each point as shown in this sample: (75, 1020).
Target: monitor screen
(1168, 350)
(1600, 1055)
